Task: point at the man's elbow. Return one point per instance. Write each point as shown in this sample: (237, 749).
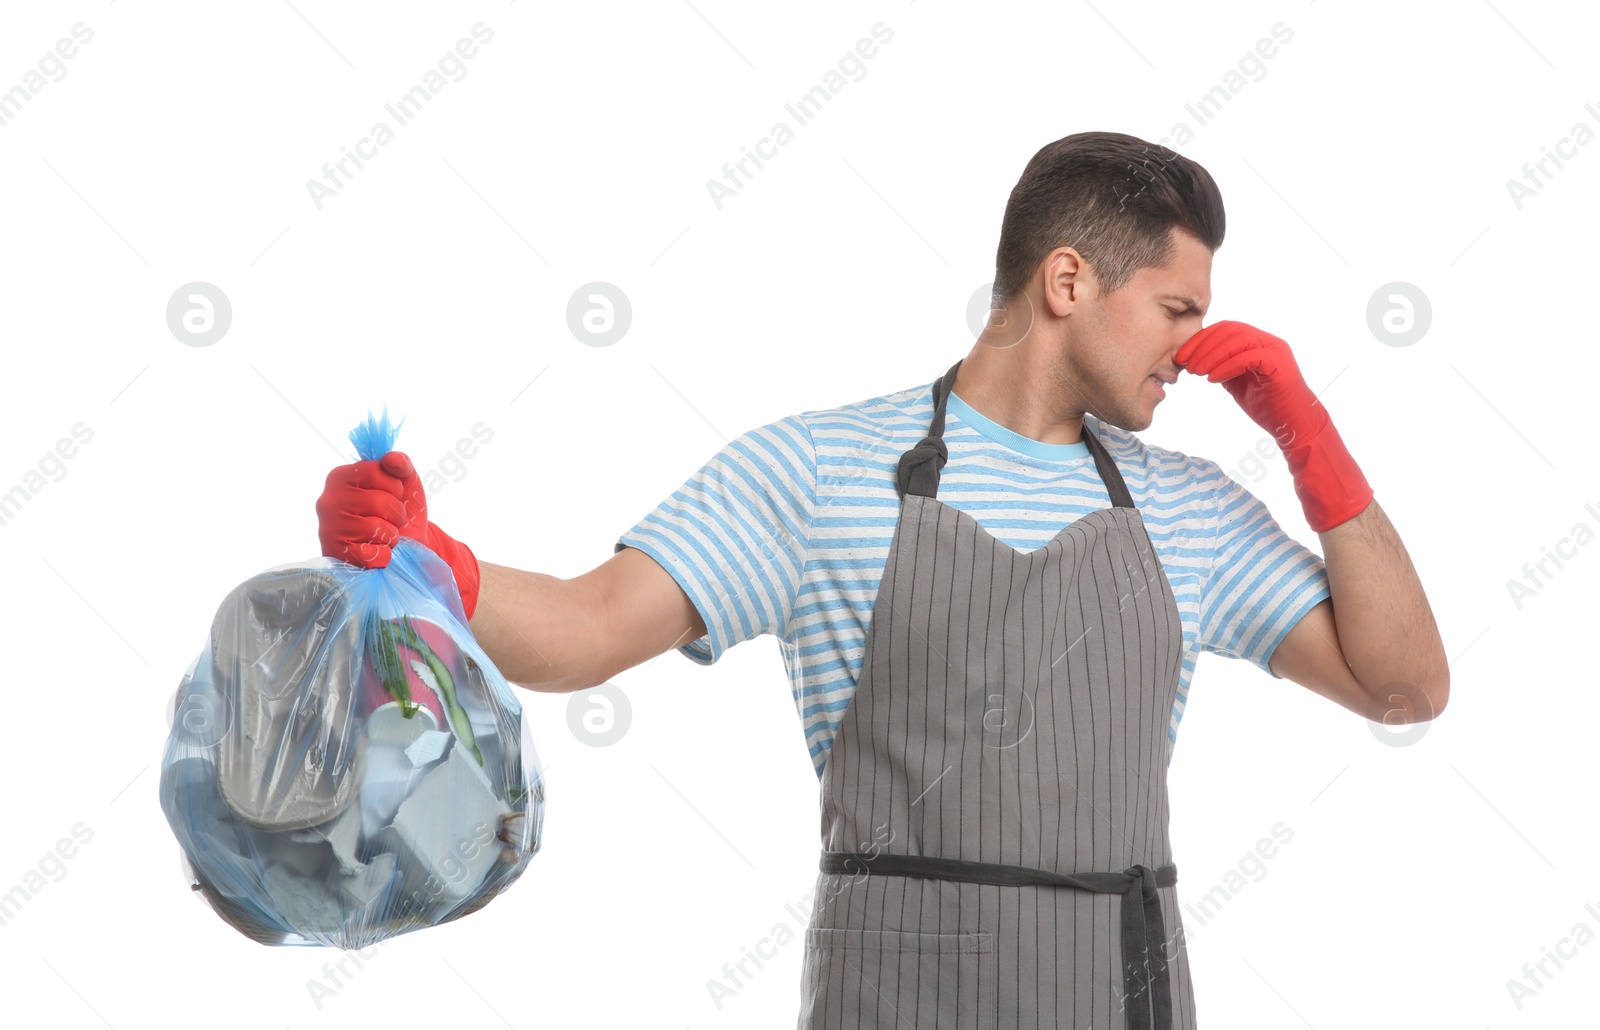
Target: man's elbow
(1439, 695)
(1419, 700)
(1436, 684)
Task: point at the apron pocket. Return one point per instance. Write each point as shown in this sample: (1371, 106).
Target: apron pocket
(897, 980)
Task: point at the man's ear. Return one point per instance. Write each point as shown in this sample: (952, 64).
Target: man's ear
(1065, 276)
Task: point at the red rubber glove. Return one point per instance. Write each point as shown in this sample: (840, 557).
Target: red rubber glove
(365, 508)
(1259, 370)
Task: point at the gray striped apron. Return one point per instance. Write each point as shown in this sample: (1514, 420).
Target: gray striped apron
(994, 809)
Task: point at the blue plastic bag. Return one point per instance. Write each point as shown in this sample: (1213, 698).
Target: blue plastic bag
(345, 762)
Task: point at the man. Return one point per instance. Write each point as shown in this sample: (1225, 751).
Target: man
(991, 595)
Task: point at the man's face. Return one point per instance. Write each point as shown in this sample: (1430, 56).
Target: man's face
(1126, 340)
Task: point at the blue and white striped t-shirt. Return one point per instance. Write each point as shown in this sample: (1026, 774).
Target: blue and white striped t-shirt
(787, 530)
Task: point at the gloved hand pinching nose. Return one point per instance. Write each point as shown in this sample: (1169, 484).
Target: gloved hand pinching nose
(1259, 370)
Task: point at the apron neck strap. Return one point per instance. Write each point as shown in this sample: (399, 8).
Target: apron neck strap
(918, 472)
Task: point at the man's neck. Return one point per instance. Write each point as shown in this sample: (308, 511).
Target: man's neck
(1013, 386)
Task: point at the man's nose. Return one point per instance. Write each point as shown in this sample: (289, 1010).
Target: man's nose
(1172, 355)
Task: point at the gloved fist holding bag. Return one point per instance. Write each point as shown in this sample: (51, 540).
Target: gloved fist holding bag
(366, 507)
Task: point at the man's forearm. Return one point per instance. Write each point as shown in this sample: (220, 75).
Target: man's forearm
(534, 627)
(1384, 623)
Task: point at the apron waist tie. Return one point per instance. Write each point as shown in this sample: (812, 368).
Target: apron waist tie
(1144, 974)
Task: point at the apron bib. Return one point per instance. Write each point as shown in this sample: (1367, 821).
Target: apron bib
(994, 809)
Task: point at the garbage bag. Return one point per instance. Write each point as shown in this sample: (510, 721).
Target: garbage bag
(345, 762)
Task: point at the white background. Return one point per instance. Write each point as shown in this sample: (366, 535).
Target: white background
(177, 147)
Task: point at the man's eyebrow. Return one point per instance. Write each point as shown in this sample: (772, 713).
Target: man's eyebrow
(1189, 302)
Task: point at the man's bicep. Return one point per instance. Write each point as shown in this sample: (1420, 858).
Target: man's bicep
(642, 612)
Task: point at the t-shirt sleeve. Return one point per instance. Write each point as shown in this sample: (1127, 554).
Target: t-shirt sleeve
(1260, 581)
(735, 535)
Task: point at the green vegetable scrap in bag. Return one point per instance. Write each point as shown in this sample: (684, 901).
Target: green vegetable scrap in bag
(388, 659)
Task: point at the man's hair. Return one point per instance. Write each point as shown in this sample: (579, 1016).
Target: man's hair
(1114, 198)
